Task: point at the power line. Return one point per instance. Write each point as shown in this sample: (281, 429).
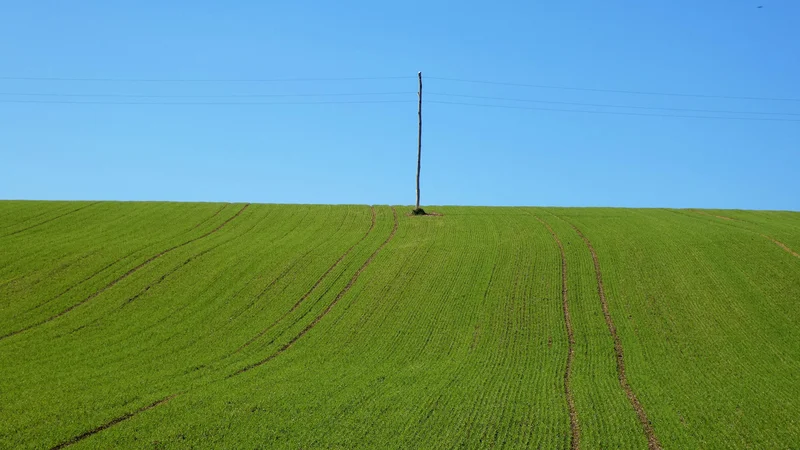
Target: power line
(203, 80)
(26, 94)
(618, 113)
(70, 102)
(600, 105)
(617, 91)
(404, 77)
(357, 94)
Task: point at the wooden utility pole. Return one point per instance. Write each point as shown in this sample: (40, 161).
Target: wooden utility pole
(419, 137)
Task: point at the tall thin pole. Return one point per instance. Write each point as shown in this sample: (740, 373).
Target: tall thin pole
(419, 135)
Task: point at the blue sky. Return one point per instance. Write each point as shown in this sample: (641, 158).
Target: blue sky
(366, 152)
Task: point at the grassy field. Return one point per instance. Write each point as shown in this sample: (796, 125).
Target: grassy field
(174, 325)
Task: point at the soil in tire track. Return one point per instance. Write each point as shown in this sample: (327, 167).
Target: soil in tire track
(308, 293)
(122, 258)
(782, 245)
(711, 215)
(211, 217)
(575, 436)
(78, 283)
(50, 219)
(275, 280)
(167, 274)
(774, 241)
(652, 441)
(113, 422)
(182, 265)
(319, 317)
(63, 267)
(124, 276)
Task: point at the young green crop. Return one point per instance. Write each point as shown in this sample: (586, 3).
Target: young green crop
(286, 326)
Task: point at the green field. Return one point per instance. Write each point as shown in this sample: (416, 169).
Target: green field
(181, 325)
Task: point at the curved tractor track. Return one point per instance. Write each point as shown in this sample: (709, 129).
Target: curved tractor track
(575, 437)
(164, 400)
(774, 241)
(199, 224)
(124, 276)
(319, 317)
(122, 258)
(311, 290)
(50, 219)
(112, 422)
(652, 441)
(187, 261)
(783, 246)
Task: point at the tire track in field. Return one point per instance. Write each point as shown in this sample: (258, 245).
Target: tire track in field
(50, 273)
(774, 241)
(782, 245)
(193, 257)
(319, 317)
(277, 279)
(50, 219)
(575, 439)
(7, 226)
(124, 276)
(79, 283)
(652, 441)
(319, 298)
(718, 216)
(113, 422)
(254, 226)
(699, 211)
(308, 293)
(211, 217)
(160, 279)
(98, 272)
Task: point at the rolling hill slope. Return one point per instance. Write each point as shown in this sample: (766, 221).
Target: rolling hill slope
(299, 326)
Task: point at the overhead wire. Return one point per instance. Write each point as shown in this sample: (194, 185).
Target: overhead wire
(52, 98)
(354, 94)
(398, 77)
(617, 91)
(620, 113)
(71, 102)
(603, 105)
(203, 80)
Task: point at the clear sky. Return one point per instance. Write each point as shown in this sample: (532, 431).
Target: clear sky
(294, 152)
